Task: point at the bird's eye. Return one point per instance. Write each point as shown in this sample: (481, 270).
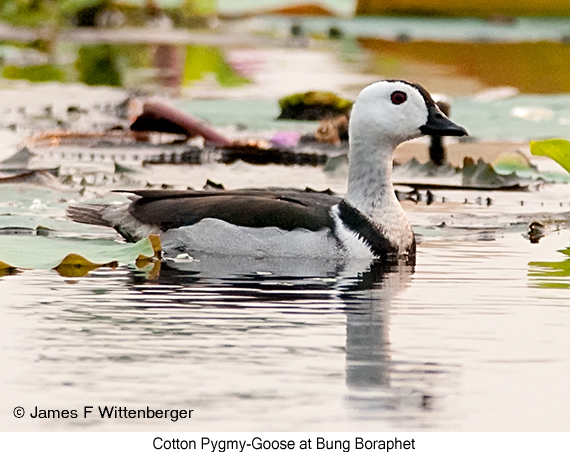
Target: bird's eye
(398, 97)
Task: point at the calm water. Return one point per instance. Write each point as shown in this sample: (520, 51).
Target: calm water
(474, 338)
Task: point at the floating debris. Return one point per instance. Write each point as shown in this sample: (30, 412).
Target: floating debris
(252, 152)
(333, 130)
(162, 118)
(536, 231)
(211, 185)
(285, 139)
(122, 169)
(313, 106)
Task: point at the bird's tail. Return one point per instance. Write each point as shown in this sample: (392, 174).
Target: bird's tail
(88, 214)
(114, 216)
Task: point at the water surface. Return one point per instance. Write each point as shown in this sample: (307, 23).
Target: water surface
(473, 338)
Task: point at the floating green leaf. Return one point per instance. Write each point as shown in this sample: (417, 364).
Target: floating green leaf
(552, 274)
(557, 149)
(73, 257)
(550, 269)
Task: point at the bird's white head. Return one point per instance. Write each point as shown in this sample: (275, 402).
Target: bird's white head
(384, 115)
(390, 112)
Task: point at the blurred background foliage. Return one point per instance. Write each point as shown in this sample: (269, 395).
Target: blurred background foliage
(43, 13)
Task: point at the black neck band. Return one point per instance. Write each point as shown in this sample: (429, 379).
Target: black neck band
(370, 233)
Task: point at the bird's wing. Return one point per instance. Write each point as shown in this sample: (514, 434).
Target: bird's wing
(285, 209)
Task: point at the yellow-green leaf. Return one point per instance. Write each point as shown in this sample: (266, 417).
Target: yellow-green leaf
(557, 149)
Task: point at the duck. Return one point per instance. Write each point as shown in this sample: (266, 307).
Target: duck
(367, 223)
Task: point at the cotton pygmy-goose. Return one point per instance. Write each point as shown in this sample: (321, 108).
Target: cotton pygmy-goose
(368, 223)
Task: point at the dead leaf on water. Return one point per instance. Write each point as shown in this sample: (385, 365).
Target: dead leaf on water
(156, 244)
(7, 269)
(73, 266)
(150, 267)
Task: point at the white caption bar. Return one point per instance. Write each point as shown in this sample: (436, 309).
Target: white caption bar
(281, 442)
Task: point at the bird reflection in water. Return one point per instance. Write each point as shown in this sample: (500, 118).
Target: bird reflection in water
(364, 296)
(367, 311)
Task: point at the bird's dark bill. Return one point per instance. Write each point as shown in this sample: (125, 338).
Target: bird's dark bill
(439, 124)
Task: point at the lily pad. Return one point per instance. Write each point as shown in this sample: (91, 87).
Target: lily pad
(72, 257)
(517, 164)
(474, 176)
(512, 162)
(483, 174)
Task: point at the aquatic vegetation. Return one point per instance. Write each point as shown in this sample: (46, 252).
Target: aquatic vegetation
(92, 12)
(513, 162)
(508, 171)
(71, 257)
(39, 73)
(203, 60)
(30, 12)
(99, 64)
(313, 105)
(549, 272)
(112, 64)
(193, 7)
(557, 149)
(517, 164)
